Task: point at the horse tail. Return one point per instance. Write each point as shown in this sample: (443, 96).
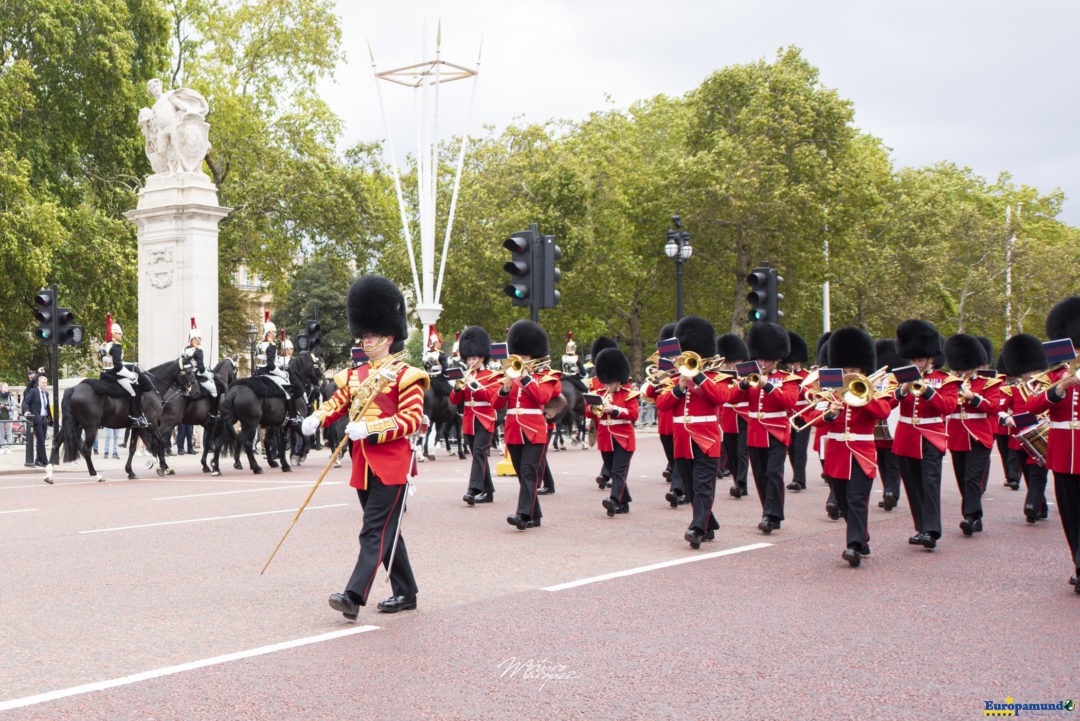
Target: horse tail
(225, 436)
(69, 429)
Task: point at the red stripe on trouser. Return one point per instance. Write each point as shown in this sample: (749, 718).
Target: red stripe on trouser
(382, 543)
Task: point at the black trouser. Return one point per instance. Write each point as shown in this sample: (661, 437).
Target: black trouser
(617, 464)
(1012, 461)
(1067, 494)
(529, 461)
(922, 483)
(41, 427)
(796, 454)
(28, 431)
(1035, 478)
(382, 506)
(889, 469)
(668, 443)
(737, 455)
(767, 465)
(480, 474)
(970, 470)
(699, 473)
(853, 497)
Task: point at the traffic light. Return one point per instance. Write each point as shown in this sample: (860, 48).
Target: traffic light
(764, 296)
(313, 330)
(550, 274)
(45, 313)
(67, 333)
(522, 267)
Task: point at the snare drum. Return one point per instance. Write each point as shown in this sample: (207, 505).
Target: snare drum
(1033, 440)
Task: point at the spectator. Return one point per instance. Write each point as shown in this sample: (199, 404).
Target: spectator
(8, 412)
(112, 439)
(37, 408)
(28, 427)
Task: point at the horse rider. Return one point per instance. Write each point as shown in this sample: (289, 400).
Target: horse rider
(572, 368)
(194, 355)
(434, 359)
(113, 368)
(266, 358)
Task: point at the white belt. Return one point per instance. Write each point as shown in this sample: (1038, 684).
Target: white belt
(1065, 425)
(476, 404)
(849, 436)
(920, 421)
(613, 421)
(770, 414)
(524, 411)
(967, 416)
(737, 405)
(695, 419)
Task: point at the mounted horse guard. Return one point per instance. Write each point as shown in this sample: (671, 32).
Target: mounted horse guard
(434, 358)
(114, 369)
(193, 364)
(266, 358)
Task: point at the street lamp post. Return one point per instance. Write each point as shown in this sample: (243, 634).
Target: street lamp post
(252, 334)
(1010, 242)
(678, 247)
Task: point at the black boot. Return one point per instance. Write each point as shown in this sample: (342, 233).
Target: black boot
(215, 402)
(135, 417)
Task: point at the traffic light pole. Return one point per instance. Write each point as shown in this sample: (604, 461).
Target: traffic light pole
(54, 378)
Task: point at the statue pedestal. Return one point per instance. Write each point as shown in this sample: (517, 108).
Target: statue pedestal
(177, 219)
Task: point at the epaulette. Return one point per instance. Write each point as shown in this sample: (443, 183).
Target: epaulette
(991, 382)
(414, 375)
(633, 394)
(950, 379)
(791, 377)
(341, 378)
(550, 377)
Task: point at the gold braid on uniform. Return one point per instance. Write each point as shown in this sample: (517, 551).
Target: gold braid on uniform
(405, 421)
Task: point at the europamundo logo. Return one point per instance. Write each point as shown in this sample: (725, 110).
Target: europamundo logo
(1011, 708)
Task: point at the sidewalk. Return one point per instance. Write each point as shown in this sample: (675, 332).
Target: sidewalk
(13, 463)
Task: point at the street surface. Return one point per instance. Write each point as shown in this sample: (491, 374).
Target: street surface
(144, 600)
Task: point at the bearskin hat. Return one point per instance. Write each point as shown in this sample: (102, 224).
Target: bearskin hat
(696, 334)
(732, 348)
(1022, 354)
(768, 341)
(917, 339)
(988, 347)
(611, 366)
(668, 331)
(800, 352)
(602, 342)
(885, 349)
(821, 341)
(964, 352)
(1063, 320)
(375, 305)
(939, 357)
(851, 347)
(474, 342)
(527, 338)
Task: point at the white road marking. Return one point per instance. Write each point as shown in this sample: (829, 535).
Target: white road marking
(210, 518)
(229, 493)
(656, 566)
(180, 668)
(19, 510)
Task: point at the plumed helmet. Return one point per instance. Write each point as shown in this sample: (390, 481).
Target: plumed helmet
(375, 305)
(474, 341)
(800, 353)
(964, 352)
(435, 341)
(286, 345)
(116, 329)
(886, 353)
(602, 342)
(1063, 320)
(571, 346)
(668, 331)
(768, 341)
(732, 348)
(1022, 354)
(268, 326)
(612, 366)
(193, 332)
(527, 338)
(696, 334)
(917, 338)
(851, 347)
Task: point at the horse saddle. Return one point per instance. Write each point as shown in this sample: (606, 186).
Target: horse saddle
(554, 407)
(262, 387)
(106, 386)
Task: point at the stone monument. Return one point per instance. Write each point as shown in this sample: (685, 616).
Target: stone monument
(177, 218)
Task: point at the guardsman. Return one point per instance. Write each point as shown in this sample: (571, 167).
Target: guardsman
(971, 434)
(800, 437)
(384, 399)
(676, 495)
(113, 368)
(194, 354)
(477, 391)
(695, 401)
(888, 465)
(848, 436)
(1062, 401)
(524, 392)
(266, 359)
(921, 436)
(593, 384)
(771, 400)
(615, 418)
(1023, 359)
(733, 350)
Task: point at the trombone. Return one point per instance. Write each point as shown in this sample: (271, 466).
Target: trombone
(515, 366)
(857, 391)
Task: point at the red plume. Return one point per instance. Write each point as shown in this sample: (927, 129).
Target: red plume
(192, 322)
(108, 327)
(570, 335)
(266, 316)
(282, 334)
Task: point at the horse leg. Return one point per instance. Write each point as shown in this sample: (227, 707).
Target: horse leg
(427, 436)
(133, 442)
(284, 446)
(247, 437)
(460, 446)
(207, 432)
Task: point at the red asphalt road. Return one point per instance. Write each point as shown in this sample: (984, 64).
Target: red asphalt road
(95, 588)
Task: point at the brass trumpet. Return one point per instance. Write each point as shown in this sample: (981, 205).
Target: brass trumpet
(515, 366)
(688, 363)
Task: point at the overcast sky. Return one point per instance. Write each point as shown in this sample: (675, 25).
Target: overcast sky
(987, 85)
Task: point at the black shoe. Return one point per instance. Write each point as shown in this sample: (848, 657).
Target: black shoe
(1015, 485)
(95, 452)
(851, 556)
(623, 508)
(694, 537)
(398, 603)
(667, 475)
(765, 526)
(469, 498)
(888, 502)
(796, 487)
(864, 551)
(533, 523)
(341, 602)
(917, 539)
(601, 482)
(775, 525)
(976, 525)
(545, 491)
(1044, 513)
(29, 465)
(928, 542)
(709, 536)
(1072, 580)
(833, 511)
(611, 505)
(967, 526)
(518, 520)
(737, 491)
(169, 452)
(484, 497)
(1031, 514)
(675, 499)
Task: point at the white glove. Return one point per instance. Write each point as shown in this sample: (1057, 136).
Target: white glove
(388, 373)
(357, 430)
(311, 424)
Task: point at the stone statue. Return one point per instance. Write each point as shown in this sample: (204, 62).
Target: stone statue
(177, 134)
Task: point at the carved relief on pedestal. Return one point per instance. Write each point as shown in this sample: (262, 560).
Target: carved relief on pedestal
(160, 268)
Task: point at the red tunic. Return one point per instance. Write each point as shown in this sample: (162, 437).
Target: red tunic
(851, 436)
(618, 426)
(525, 407)
(1063, 442)
(924, 416)
(696, 415)
(973, 421)
(478, 397)
(1016, 401)
(395, 414)
(768, 413)
(664, 416)
(731, 411)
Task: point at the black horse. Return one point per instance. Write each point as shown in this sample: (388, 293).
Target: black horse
(258, 402)
(335, 432)
(183, 400)
(570, 418)
(443, 416)
(98, 403)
